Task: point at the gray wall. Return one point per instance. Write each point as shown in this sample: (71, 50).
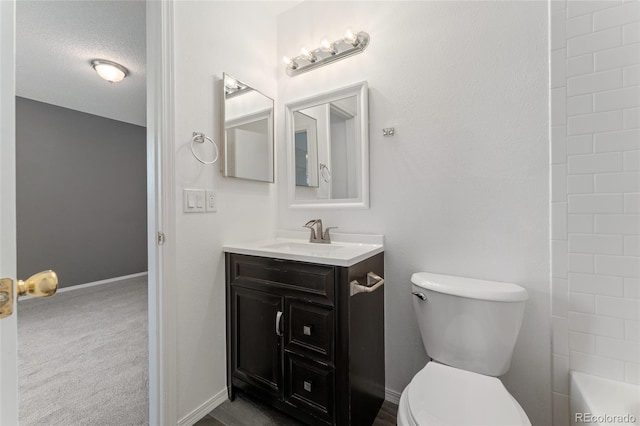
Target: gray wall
(81, 185)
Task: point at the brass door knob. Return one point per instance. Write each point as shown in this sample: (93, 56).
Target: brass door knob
(42, 284)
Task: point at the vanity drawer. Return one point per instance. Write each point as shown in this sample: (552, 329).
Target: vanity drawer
(310, 385)
(307, 277)
(310, 329)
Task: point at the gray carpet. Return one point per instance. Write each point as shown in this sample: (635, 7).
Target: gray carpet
(83, 356)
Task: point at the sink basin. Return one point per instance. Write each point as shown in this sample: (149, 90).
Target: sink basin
(346, 250)
(304, 247)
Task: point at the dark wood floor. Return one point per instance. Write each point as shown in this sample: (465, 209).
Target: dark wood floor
(248, 412)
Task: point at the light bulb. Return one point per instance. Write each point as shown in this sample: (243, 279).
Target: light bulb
(290, 62)
(231, 83)
(328, 47)
(350, 37)
(309, 55)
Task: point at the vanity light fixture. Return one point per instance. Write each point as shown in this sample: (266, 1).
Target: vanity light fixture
(350, 44)
(110, 71)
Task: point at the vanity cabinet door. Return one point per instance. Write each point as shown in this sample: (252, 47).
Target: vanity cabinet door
(256, 336)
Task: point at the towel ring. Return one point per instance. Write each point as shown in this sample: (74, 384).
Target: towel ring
(200, 138)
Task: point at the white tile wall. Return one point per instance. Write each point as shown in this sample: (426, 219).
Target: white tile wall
(602, 183)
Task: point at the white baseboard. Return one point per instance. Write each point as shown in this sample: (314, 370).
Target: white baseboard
(204, 409)
(107, 281)
(392, 396)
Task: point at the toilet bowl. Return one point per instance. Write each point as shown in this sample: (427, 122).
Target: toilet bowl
(469, 329)
(443, 395)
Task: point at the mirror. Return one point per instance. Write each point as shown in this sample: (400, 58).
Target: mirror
(247, 115)
(328, 149)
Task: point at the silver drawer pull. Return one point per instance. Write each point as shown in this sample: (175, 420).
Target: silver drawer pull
(306, 385)
(373, 283)
(278, 323)
(306, 329)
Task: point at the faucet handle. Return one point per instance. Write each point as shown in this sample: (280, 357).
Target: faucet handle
(326, 235)
(311, 225)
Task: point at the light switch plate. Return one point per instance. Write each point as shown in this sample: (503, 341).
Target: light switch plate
(211, 201)
(193, 200)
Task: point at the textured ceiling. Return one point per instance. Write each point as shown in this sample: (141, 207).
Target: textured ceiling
(56, 41)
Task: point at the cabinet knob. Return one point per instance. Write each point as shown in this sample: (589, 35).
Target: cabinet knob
(307, 385)
(306, 329)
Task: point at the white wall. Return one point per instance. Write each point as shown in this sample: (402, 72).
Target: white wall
(595, 92)
(462, 188)
(212, 38)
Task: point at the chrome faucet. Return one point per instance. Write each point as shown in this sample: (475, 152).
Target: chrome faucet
(317, 236)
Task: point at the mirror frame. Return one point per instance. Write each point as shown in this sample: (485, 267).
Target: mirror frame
(360, 91)
(224, 148)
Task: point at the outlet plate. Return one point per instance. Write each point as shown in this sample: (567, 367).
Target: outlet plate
(211, 201)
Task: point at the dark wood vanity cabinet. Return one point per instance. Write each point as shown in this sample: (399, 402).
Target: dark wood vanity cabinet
(299, 340)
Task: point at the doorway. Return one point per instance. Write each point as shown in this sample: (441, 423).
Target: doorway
(81, 187)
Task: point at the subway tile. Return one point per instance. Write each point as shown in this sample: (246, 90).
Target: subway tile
(580, 65)
(577, 105)
(557, 5)
(595, 82)
(625, 140)
(617, 349)
(582, 342)
(623, 266)
(631, 118)
(597, 365)
(603, 285)
(558, 182)
(631, 160)
(558, 68)
(578, 26)
(616, 16)
(595, 203)
(632, 203)
(618, 307)
(580, 223)
(560, 409)
(557, 36)
(581, 263)
(580, 184)
(631, 33)
(598, 325)
(558, 106)
(582, 7)
(624, 224)
(595, 163)
(582, 302)
(559, 221)
(561, 374)
(559, 259)
(617, 57)
(559, 335)
(632, 330)
(628, 97)
(632, 373)
(631, 75)
(598, 122)
(632, 245)
(580, 144)
(594, 42)
(617, 182)
(632, 288)
(558, 145)
(560, 297)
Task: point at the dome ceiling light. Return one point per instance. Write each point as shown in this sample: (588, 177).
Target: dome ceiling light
(110, 71)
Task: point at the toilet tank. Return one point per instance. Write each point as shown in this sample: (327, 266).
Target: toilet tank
(468, 323)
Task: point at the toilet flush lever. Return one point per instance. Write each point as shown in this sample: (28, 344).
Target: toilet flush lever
(419, 295)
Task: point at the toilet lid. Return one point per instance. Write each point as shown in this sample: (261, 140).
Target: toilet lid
(443, 395)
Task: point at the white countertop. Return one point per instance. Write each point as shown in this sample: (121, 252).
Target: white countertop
(344, 250)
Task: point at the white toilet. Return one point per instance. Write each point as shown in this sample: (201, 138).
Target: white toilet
(469, 328)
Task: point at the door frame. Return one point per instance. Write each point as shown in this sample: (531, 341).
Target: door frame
(160, 212)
